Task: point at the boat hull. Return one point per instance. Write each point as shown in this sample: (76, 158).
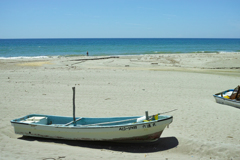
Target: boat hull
(219, 97)
(131, 132)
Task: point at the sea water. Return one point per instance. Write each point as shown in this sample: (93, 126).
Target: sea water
(17, 48)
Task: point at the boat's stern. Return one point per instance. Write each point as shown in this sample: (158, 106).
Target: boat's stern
(21, 124)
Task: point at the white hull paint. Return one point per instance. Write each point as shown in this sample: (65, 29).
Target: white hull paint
(144, 131)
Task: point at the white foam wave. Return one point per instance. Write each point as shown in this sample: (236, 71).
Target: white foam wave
(23, 57)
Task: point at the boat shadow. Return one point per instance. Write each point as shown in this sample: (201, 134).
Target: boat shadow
(161, 144)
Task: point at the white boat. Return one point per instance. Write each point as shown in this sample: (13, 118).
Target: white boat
(229, 97)
(130, 129)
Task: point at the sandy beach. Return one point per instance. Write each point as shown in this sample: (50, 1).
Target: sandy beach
(124, 86)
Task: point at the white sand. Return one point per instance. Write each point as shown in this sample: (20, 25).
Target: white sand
(125, 86)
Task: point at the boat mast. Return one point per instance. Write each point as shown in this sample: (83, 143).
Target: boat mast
(74, 120)
(238, 92)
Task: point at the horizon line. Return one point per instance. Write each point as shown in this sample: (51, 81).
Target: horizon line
(116, 38)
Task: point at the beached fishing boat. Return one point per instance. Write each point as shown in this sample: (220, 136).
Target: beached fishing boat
(229, 97)
(92, 129)
(130, 129)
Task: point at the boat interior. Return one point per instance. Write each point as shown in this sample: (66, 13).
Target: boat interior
(233, 94)
(38, 119)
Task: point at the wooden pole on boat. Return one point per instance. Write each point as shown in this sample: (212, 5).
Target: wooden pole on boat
(146, 114)
(238, 91)
(74, 120)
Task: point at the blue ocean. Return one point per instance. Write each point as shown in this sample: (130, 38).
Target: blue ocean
(16, 48)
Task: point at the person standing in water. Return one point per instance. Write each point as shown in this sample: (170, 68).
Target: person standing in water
(87, 53)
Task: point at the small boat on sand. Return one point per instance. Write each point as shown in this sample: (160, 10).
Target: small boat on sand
(120, 129)
(129, 129)
(229, 97)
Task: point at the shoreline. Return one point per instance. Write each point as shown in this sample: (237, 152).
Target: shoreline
(210, 63)
(121, 55)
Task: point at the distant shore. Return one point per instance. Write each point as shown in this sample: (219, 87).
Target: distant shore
(203, 62)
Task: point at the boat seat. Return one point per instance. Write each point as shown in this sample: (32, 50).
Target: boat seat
(36, 120)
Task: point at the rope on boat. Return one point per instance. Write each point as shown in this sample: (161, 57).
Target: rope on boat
(167, 111)
(73, 121)
(126, 119)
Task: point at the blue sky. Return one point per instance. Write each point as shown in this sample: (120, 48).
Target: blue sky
(119, 19)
